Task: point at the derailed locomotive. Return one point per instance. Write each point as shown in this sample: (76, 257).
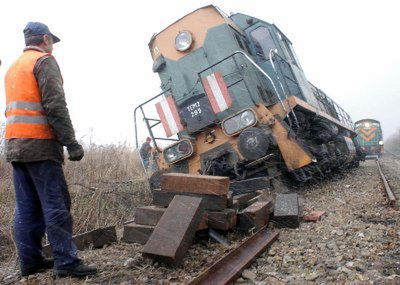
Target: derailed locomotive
(236, 102)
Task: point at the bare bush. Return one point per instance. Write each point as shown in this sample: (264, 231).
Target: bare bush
(105, 188)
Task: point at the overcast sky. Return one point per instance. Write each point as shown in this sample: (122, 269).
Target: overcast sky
(349, 49)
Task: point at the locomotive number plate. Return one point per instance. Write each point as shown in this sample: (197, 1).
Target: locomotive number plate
(197, 113)
(194, 109)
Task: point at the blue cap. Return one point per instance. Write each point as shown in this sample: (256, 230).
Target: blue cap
(37, 29)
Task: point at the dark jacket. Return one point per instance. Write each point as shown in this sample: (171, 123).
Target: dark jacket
(145, 150)
(50, 82)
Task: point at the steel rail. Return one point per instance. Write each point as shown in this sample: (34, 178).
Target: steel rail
(228, 268)
(389, 193)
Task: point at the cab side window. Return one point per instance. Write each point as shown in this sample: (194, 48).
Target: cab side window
(263, 42)
(288, 50)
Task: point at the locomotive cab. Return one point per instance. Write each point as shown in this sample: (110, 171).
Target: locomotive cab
(269, 44)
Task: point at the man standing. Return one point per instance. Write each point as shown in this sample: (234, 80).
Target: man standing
(38, 126)
(145, 152)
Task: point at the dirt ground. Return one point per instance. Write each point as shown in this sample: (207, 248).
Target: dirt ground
(356, 242)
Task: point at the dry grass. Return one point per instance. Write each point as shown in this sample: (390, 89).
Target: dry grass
(7, 202)
(105, 188)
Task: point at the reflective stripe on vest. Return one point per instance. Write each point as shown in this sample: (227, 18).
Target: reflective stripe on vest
(21, 108)
(34, 106)
(24, 111)
(27, 120)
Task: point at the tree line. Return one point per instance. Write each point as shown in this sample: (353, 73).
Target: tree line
(392, 143)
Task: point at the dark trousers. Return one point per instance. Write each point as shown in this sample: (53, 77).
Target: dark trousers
(43, 204)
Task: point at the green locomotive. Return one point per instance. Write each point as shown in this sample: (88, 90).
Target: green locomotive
(369, 137)
(236, 102)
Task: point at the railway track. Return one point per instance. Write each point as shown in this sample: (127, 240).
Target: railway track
(392, 199)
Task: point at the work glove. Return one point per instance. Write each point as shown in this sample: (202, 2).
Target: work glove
(75, 152)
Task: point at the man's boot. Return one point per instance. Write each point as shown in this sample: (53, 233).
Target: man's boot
(78, 270)
(43, 265)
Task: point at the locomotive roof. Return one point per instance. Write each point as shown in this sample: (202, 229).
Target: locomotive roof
(222, 13)
(198, 23)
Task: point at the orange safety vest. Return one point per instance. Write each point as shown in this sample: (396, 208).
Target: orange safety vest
(25, 114)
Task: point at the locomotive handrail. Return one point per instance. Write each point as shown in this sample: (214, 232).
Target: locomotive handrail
(343, 116)
(256, 66)
(272, 53)
(149, 127)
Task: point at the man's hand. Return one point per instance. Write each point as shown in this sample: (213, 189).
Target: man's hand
(75, 152)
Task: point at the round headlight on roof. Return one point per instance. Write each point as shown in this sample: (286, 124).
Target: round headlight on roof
(183, 41)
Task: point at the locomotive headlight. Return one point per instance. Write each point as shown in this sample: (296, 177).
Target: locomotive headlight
(239, 122)
(247, 118)
(178, 151)
(170, 154)
(183, 41)
(380, 142)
